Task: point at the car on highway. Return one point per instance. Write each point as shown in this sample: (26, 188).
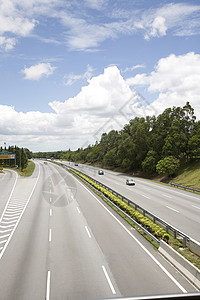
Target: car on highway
(130, 181)
(76, 164)
(101, 172)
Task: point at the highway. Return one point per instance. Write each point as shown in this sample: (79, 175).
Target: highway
(179, 208)
(63, 242)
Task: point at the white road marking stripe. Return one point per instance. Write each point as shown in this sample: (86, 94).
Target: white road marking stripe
(146, 196)
(108, 279)
(4, 236)
(172, 209)
(88, 232)
(2, 242)
(10, 218)
(195, 206)
(16, 224)
(50, 212)
(4, 231)
(49, 235)
(9, 214)
(48, 285)
(8, 222)
(78, 210)
(167, 196)
(137, 241)
(6, 226)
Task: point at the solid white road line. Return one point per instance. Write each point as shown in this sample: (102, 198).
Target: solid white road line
(172, 209)
(88, 232)
(196, 206)
(108, 279)
(136, 240)
(48, 285)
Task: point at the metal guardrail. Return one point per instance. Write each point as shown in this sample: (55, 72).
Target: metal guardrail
(184, 187)
(145, 212)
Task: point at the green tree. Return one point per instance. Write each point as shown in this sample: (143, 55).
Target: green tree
(168, 166)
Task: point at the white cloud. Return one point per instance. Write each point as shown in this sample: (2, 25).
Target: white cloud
(35, 72)
(75, 120)
(83, 32)
(176, 79)
(105, 103)
(72, 78)
(129, 69)
(7, 43)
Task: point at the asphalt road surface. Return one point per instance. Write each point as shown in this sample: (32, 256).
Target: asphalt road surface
(62, 242)
(179, 208)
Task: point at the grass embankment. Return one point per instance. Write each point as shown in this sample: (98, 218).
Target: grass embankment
(146, 222)
(189, 176)
(30, 168)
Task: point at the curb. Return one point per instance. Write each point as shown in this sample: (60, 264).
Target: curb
(191, 272)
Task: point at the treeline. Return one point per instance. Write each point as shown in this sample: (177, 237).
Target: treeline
(153, 144)
(21, 157)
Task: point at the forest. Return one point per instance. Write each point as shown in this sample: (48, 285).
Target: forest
(155, 144)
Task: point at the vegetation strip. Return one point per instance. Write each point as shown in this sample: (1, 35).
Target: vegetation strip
(156, 230)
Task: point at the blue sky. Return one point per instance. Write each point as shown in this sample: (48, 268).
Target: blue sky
(71, 70)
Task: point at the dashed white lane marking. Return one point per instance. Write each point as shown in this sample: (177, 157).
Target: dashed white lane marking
(108, 279)
(172, 209)
(167, 196)
(48, 285)
(78, 210)
(137, 241)
(196, 206)
(50, 212)
(88, 232)
(146, 196)
(49, 235)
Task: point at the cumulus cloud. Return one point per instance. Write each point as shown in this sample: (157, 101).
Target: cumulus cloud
(107, 102)
(82, 118)
(176, 80)
(35, 72)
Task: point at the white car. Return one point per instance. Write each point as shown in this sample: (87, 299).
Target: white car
(130, 181)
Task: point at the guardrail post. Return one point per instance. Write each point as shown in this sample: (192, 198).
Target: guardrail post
(184, 242)
(175, 234)
(144, 212)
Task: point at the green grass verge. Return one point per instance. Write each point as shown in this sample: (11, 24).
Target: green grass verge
(30, 168)
(189, 176)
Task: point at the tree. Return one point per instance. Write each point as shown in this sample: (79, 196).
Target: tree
(149, 163)
(168, 166)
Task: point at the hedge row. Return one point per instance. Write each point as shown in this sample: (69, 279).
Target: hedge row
(158, 231)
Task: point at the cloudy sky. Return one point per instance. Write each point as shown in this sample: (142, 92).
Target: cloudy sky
(71, 70)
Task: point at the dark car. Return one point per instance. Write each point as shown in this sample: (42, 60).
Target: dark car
(76, 164)
(101, 172)
(130, 181)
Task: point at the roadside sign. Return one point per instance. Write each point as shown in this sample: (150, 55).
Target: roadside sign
(25, 171)
(7, 156)
(1, 168)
